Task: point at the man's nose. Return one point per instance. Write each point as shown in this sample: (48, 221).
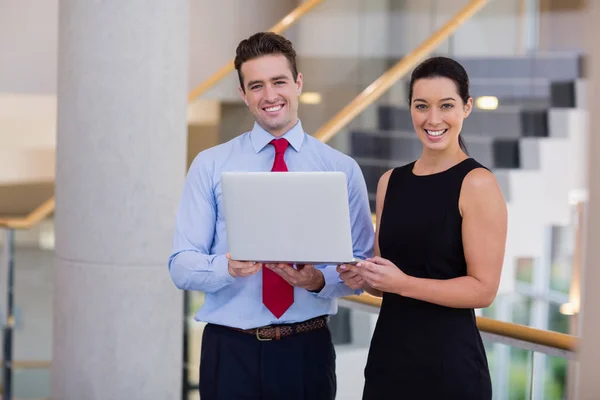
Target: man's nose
(270, 94)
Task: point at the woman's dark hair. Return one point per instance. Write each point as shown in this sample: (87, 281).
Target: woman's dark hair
(262, 44)
(443, 67)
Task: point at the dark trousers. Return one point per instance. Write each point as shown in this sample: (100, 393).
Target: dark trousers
(237, 366)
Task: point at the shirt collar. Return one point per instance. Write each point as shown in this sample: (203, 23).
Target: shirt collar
(260, 137)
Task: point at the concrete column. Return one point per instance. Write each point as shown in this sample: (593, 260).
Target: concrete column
(589, 353)
(121, 159)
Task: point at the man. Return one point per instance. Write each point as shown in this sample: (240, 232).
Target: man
(256, 345)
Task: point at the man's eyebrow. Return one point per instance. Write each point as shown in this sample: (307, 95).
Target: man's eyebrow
(275, 78)
(254, 82)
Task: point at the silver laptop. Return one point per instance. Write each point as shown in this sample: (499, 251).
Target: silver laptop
(291, 217)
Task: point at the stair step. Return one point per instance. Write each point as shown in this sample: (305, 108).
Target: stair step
(550, 66)
(523, 92)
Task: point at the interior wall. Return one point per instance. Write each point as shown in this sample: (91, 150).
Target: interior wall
(494, 30)
(216, 28)
(29, 38)
(563, 25)
(28, 46)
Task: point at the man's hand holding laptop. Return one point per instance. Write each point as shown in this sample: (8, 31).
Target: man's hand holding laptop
(304, 276)
(241, 269)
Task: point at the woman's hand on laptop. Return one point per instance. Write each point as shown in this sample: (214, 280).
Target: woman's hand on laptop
(240, 269)
(350, 276)
(304, 276)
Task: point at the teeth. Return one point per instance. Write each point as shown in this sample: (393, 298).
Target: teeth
(274, 108)
(435, 133)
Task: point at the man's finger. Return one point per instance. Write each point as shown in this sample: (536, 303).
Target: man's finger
(308, 270)
(237, 264)
(250, 269)
(287, 268)
(284, 272)
(245, 268)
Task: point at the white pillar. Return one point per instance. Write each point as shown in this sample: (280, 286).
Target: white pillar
(589, 353)
(121, 155)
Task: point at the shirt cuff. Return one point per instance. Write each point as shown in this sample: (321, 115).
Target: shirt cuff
(220, 266)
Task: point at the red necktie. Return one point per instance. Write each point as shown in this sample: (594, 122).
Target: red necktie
(278, 295)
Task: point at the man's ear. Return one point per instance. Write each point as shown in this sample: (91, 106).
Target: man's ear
(243, 95)
(299, 83)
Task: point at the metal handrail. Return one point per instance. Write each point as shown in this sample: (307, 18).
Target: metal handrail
(32, 219)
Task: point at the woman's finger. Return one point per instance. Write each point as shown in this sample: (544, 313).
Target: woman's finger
(366, 265)
(380, 261)
(368, 275)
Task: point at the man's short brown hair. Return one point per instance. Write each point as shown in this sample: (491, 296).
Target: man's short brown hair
(262, 44)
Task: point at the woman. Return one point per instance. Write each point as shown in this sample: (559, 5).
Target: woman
(439, 248)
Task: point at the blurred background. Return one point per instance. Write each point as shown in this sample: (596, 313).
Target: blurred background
(84, 286)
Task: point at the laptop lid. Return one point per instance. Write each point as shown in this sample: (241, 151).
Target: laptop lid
(292, 217)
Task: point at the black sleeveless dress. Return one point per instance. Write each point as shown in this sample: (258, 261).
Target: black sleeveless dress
(421, 350)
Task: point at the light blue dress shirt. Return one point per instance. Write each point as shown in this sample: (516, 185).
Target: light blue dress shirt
(198, 259)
